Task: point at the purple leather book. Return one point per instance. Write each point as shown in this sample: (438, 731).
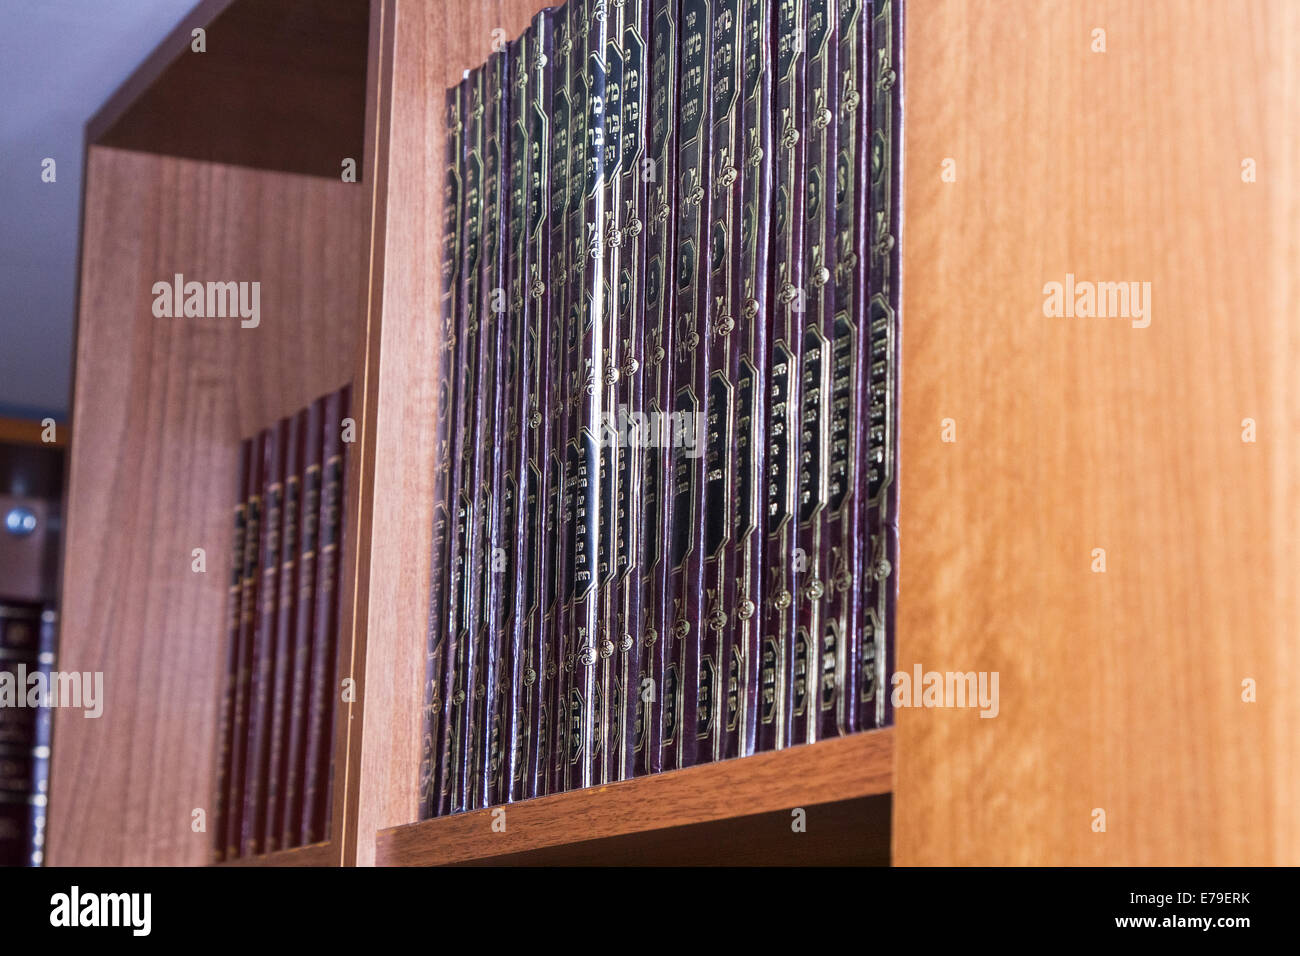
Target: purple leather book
(438, 641)
(583, 691)
(815, 377)
(541, 347)
(227, 725)
(741, 654)
(248, 618)
(304, 584)
(552, 723)
(317, 788)
(468, 506)
(648, 726)
(498, 369)
(511, 723)
(691, 382)
(878, 557)
(281, 687)
(785, 343)
(253, 823)
(625, 238)
(730, 336)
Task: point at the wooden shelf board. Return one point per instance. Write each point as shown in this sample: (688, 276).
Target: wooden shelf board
(712, 813)
(316, 854)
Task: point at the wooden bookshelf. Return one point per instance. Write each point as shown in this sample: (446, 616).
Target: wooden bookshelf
(1119, 691)
(738, 811)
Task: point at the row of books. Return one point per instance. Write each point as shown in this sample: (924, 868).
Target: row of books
(277, 712)
(27, 645)
(664, 504)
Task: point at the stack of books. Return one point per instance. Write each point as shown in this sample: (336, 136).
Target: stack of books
(665, 498)
(27, 645)
(277, 713)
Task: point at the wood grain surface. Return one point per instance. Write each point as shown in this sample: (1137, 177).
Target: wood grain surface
(1120, 691)
(280, 85)
(656, 808)
(160, 405)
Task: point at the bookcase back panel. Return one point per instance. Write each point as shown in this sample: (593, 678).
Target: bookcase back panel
(160, 405)
(1167, 159)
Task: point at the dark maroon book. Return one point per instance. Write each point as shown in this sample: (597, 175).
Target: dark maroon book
(234, 591)
(324, 690)
(310, 427)
(248, 621)
(261, 687)
(285, 633)
(778, 651)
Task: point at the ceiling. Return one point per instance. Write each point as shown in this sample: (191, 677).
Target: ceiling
(59, 61)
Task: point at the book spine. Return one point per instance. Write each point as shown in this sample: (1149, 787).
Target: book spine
(438, 644)
(276, 775)
(496, 368)
(19, 654)
(247, 626)
(536, 597)
(467, 528)
(551, 725)
(813, 638)
(512, 733)
(311, 426)
(884, 241)
(661, 183)
(729, 333)
(227, 725)
(566, 249)
(844, 621)
(589, 671)
(785, 341)
(320, 711)
(42, 738)
(750, 371)
(608, 246)
(626, 240)
(253, 831)
(691, 383)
